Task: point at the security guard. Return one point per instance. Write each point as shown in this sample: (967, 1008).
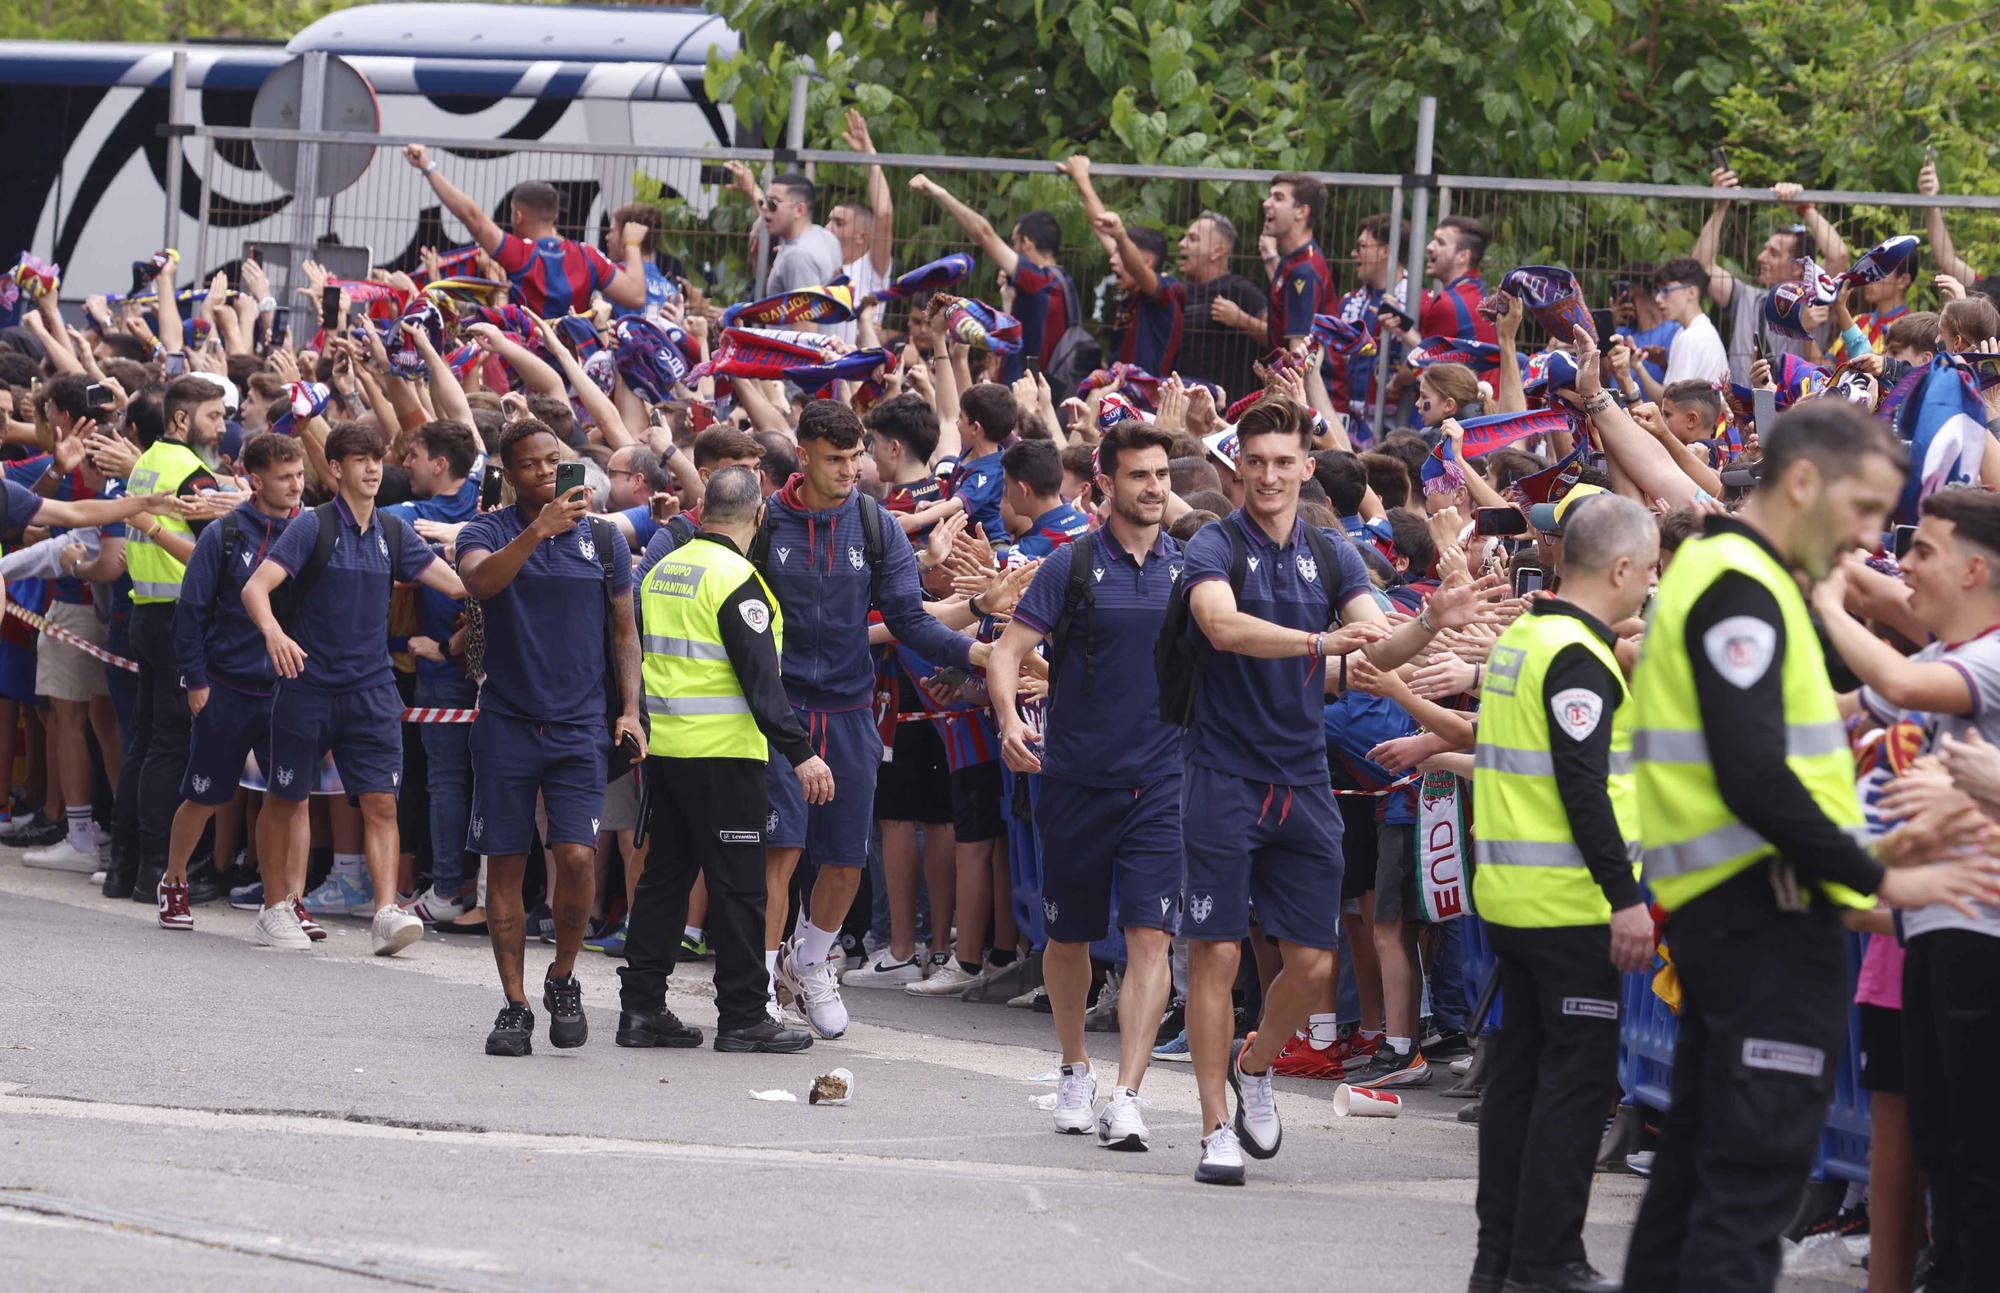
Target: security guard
(1752, 838)
(156, 554)
(1557, 885)
(711, 632)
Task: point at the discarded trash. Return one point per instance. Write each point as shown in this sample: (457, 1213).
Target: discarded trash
(1360, 1102)
(1050, 1076)
(1043, 1101)
(832, 1088)
(663, 1081)
(775, 1097)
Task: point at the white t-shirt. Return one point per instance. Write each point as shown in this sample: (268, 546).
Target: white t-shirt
(1697, 354)
(1979, 661)
(862, 276)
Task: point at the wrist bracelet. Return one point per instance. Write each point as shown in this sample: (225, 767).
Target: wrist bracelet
(1424, 620)
(972, 604)
(1477, 669)
(430, 168)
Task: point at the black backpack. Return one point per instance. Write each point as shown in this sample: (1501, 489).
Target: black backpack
(329, 534)
(1181, 653)
(1076, 354)
(872, 544)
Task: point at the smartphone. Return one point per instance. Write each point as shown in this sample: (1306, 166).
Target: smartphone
(628, 744)
(1527, 579)
(1763, 411)
(1905, 536)
(1601, 320)
(948, 679)
(98, 396)
(329, 306)
(569, 476)
(1499, 520)
(1031, 363)
(1395, 307)
(489, 488)
(1720, 158)
(1930, 153)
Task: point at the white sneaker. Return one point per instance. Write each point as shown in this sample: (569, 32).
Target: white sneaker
(431, 907)
(63, 855)
(815, 991)
(392, 930)
(883, 970)
(1256, 1108)
(947, 978)
(1076, 1099)
(279, 927)
(1221, 1159)
(339, 896)
(1119, 1125)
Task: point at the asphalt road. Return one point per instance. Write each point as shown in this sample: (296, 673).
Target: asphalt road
(191, 1111)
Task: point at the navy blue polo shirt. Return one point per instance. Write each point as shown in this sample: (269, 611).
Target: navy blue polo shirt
(1051, 530)
(644, 527)
(18, 505)
(437, 614)
(978, 481)
(545, 631)
(344, 626)
(1110, 734)
(1261, 719)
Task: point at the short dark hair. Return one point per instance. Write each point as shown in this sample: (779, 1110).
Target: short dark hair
(1975, 518)
(1042, 229)
(1473, 235)
(1681, 269)
(1505, 466)
(781, 459)
(1189, 524)
(1410, 449)
(354, 440)
(1677, 527)
(644, 213)
(146, 414)
(554, 412)
(1274, 415)
(1834, 435)
(1190, 474)
(1079, 459)
(267, 449)
(803, 189)
(451, 441)
(1695, 393)
(724, 443)
(1342, 476)
(907, 419)
(190, 393)
(123, 345)
(1917, 330)
(1413, 541)
(1377, 227)
(733, 495)
(1306, 191)
(1130, 434)
(537, 199)
(516, 431)
(1149, 240)
(992, 406)
(1208, 500)
(66, 394)
(1036, 464)
(831, 421)
(1388, 477)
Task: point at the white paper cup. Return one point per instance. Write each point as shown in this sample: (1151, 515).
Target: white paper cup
(1360, 1102)
(836, 1087)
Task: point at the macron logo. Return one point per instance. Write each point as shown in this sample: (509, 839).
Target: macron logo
(1097, 573)
(782, 554)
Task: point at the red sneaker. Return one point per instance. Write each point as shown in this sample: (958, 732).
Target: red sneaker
(1299, 1059)
(313, 931)
(174, 913)
(1355, 1050)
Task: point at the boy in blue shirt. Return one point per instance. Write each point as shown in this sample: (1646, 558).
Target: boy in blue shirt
(1032, 507)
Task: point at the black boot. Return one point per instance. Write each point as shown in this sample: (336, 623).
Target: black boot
(1489, 1272)
(205, 884)
(152, 870)
(122, 874)
(655, 1026)
(1576, 1277)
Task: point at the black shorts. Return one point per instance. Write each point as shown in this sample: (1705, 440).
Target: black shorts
(975, 803)
(1881, 1049)
(1357, 844)
(915, 785)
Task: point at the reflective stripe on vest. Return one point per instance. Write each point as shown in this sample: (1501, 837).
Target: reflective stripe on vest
(696, 703)
(1693, 841)
(162, 469)
(1530, 872)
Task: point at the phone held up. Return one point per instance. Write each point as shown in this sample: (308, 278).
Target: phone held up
(1528, 579)
(489, 487)
(569, 476)
(1905, 536)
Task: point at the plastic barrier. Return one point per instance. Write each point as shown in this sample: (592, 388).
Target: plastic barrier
(1843, 1142)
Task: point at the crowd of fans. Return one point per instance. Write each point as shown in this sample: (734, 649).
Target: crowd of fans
(168, 415)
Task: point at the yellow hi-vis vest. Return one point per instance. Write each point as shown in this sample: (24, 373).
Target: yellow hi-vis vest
(1692, 841)
(696, 704)
(162, 469)
(1530, 873)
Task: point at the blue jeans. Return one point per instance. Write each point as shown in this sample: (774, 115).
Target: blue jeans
(1447, 981)
(448, 751)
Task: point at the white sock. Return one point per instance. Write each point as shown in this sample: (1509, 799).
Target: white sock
(1322, 1030)
(693, 933)
(771, 973)
(1371, 1034)
(82, 832)
(814, 943)
(1400, 1045)
(351, 866)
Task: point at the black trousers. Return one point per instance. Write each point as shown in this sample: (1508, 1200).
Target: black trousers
(703, 816)
(1764, 1005)
(149, 788)
(1951, 1039)
(1554, 1076)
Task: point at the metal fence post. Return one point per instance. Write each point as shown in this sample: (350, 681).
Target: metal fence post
(207, 187)
(305, 192)
(1420, 204)
(1388, 289)
(176, 118)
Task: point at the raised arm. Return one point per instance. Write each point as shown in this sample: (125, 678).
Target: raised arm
(880, 199)
(447, 396)
(1708, 244)
(976, 226)
(1943, 253)
(1510, 397)
(469, 213)
(1643, 458)
(1833, 256)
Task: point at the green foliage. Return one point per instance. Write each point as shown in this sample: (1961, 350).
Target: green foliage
(159, 20)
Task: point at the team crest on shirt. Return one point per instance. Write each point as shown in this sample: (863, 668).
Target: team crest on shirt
(381, 541)
(1174, 574)
(586, 544)
(284, 776)
(1201, 906)
(200, 784)
(1049, 910)
(854, 558)
(1308, 568)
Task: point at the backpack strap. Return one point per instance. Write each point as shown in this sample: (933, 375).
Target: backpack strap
(1076, 597)
(1239, 557)
(1328, 561)
(681, 527)
(874, 547)
(329, 534)
(760, 542)
(232, 544)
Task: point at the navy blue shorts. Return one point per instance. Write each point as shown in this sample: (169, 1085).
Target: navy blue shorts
(17, 673)
(227, 730)
(363, 728)
(1097, 842)
(1254, 842)
(835, 834)
(513, 760)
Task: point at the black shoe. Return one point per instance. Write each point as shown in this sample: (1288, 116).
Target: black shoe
(36, 832)
(1170, 1027)
(766, 1036)
(1447, 1046)
(205, 885)
(564, 1001)
(1470, 1113)
(656, 1026)
(1577, 1277)
(146, 885)
(120, 875)
(1489, 1272)
(513, 1031)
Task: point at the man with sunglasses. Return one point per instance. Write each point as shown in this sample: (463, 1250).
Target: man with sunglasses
(1777, 263)
(1696, 353)
(805, 254)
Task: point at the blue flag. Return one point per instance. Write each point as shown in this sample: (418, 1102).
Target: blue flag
(1945, 422)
